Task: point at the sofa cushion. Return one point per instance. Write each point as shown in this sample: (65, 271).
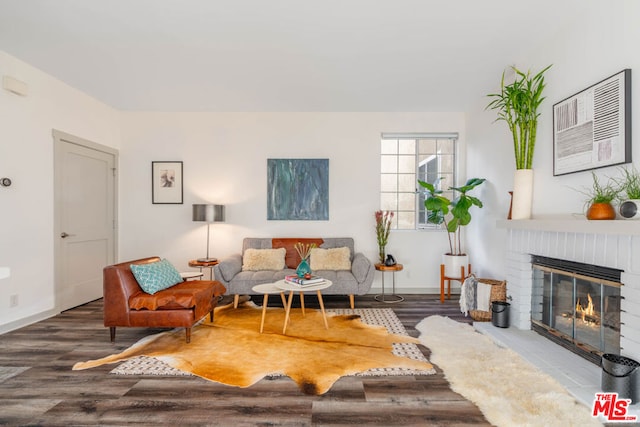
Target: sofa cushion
(183, 295)
(263, 259)
(292, 258)
(156, 276)
(330, 259)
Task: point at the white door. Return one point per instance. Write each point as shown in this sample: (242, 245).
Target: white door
(85, 216)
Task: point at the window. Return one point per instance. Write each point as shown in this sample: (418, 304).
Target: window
(407, 158)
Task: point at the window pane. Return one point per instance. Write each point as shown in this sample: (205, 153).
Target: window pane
(389, 182)
(406, 164)
(407, 182)
(389, 146)
(446, 146)
(446, 163)
(406, 220)
(406, 201)
(407, 146)
(427, 146)
(389, 201)
(388, 164)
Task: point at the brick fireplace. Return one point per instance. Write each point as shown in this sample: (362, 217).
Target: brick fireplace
(613, 244)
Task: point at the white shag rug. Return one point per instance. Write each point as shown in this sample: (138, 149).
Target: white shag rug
(508, 390)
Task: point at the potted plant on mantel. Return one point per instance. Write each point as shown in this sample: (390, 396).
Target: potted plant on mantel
(517, 104)
(454, 214)
(630, 194)
(599, 198)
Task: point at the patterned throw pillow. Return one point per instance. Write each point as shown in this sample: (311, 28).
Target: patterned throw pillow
(331, 259)
(156, 276)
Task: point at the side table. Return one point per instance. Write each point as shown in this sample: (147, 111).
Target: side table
(204, 264)
(393, 297)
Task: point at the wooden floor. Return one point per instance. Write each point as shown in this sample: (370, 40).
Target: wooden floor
(38, 387)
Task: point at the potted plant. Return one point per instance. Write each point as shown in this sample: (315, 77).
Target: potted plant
(599, 198)
(384, 221)
(517, 104)
(454, 214)
(629, 194)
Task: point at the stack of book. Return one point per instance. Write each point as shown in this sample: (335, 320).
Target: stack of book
(299, 281)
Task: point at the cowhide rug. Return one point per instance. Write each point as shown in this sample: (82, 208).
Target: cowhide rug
(232, 351)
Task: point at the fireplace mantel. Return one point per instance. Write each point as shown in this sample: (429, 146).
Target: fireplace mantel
(573, 224)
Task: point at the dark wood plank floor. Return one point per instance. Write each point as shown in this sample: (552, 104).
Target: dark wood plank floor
(38, 387)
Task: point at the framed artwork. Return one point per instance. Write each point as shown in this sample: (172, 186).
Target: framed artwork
(592, 129)
(298, 189)
(166, 183)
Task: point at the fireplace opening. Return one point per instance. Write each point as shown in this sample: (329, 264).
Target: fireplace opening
(577, 306)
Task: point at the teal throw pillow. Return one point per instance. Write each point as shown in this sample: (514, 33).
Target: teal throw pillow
(156, 276)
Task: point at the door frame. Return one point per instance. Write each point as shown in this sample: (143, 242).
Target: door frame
(59, 139)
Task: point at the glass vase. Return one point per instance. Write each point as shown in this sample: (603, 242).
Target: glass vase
(381, 254)
(303, 268)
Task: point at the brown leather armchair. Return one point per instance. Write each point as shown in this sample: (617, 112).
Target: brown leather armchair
(182, 305)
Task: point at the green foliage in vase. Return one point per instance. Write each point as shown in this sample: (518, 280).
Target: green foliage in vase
(601, 192)
(454, 214)
(629, 184)
(517, 104)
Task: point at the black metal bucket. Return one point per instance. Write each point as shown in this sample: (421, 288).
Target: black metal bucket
(620, 375)
(500, 314)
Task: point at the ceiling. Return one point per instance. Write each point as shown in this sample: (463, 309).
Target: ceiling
(279, 55)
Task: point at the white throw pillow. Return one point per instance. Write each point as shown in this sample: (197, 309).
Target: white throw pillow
(263, 259)
(331, 259)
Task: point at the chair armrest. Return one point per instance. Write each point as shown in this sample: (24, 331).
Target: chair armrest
(360, 267)
(228, 267)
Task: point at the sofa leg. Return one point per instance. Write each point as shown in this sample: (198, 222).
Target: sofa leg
(112, 332)
(352, 301)
(236, 299)
(211, 316)
(188, 333)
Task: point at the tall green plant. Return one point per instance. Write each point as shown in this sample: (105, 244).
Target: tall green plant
(454, 214)
(517, 105)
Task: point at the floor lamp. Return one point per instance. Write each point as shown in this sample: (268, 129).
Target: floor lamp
(209, 214)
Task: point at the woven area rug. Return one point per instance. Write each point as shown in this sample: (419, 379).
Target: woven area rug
(507, 389)
(232, 351)
(372, 316)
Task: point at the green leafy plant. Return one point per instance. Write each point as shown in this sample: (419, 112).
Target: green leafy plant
(601, 192)
(629, 184)
(517, 104)
(454, 214)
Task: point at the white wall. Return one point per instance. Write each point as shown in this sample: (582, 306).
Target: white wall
(225, 159)
(600, 42)
(26, 156)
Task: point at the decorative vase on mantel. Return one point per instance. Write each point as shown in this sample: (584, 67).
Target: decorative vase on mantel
(522, 194)
(303, 268)
(601, 211)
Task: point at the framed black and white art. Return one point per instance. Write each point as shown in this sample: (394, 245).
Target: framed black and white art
(592, 129)
(166, 183)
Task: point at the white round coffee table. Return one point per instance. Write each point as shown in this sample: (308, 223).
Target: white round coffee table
(283, 285)
(268, 289)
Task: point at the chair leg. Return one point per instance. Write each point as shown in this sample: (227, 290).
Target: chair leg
(211, 316)
(352, 302)
(236, 299)
(112, 332)
(188, 333)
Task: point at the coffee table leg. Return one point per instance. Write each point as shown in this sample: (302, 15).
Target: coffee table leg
(284, 300)
(324, 315)
(265, 301)
(302, 303)
(288, 311)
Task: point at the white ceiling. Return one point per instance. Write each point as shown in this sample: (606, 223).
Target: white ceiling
(280, 55)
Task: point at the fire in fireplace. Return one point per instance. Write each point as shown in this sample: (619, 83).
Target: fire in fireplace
(577, 305)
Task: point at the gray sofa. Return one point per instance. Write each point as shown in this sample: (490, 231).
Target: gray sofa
(356, 281)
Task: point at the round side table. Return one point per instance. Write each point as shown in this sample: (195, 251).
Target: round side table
(393, 297)
(204, 264)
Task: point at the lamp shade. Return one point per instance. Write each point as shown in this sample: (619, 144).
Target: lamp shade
(208, 213)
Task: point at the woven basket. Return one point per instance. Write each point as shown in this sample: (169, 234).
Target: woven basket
(498, 293)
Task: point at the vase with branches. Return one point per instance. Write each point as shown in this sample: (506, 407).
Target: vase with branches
(304, 250)
(384, 220)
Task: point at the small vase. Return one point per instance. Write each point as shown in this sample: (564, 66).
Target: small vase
(601, 211)
(381, 254)
(303, 268)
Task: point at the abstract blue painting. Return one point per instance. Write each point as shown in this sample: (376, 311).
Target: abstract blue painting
(298, 189)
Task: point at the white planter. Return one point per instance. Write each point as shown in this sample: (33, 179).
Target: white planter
(630, 209)
(452, 264)
(522, 194)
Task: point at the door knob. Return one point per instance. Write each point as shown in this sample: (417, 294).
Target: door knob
(65, 234)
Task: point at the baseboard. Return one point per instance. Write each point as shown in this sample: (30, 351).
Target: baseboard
(26, 321)
(414, 291)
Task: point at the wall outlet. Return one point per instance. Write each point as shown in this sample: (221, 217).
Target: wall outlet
(13, 300)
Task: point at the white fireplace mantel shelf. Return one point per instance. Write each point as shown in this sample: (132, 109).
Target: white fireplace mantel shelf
(573, 224)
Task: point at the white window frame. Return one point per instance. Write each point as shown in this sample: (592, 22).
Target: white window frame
(419, 206)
